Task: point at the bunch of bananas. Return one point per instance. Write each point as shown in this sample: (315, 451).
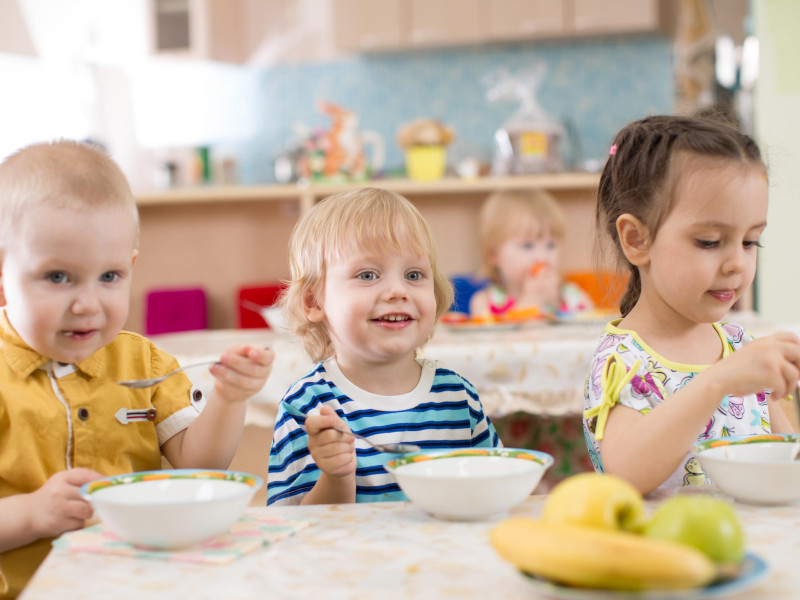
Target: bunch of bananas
(593, 534)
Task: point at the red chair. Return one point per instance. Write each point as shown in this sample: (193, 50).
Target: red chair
(175, 309)
(248, 297)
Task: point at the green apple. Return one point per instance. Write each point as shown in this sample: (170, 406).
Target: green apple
(596, 500)
(707, 523)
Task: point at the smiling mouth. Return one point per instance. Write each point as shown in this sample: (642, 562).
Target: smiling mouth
(723, 295)
(393, 318)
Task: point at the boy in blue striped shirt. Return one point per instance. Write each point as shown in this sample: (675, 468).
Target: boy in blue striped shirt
(364, 297)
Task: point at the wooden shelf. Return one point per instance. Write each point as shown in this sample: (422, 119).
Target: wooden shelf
(449, 185)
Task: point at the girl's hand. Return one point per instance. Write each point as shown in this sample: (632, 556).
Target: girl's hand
(334, 452)
(771, 362)
(242, 371)
(540, 287)
(57, 506)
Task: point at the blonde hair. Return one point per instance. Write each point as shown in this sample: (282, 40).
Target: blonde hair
(338, 226)
(507, 213)
(61, 174)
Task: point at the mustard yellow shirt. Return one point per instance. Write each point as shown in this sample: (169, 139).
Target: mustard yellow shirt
(55, 416)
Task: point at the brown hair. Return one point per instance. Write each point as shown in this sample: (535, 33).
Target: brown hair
(338, 226)
(640, 175)
(508, 212)
(63, 174)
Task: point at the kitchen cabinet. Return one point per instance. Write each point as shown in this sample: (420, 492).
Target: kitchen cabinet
(621, 16)
(198, 29)
(445, 22)
(373, 25)
(520, 19)
(224, 237)
(364, 25)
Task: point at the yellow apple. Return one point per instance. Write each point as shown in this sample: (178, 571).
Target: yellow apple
(709, 524)
(596, 500)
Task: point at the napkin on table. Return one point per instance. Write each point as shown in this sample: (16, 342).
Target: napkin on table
(248, 534)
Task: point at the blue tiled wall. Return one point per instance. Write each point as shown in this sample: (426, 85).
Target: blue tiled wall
(597, 84)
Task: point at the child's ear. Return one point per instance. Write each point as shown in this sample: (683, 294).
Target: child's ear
(634, 237)
(313, 308)
(135, 256)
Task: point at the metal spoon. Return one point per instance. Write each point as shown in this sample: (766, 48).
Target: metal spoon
(387, 448)
(143, 383)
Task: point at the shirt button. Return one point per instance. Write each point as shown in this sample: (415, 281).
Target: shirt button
(83, 414)
(197, 395)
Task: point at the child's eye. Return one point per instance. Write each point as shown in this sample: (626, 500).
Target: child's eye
(415, 275)
(707, 243)
(752, 243)
(367, 275)
(528, 246)
(109, 277)
(57, 277)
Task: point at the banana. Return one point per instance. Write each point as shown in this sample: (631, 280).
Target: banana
(599, 558)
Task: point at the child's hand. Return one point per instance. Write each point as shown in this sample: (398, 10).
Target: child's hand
(57, 506)
(540, 287)
(334, 452)
(241, 372)
(771, 362)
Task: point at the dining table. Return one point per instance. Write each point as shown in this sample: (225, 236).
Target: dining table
(384, 550)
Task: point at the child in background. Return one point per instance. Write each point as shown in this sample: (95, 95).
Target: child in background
(365, 294)
(520, 236)
(69, 233)
(684, 202)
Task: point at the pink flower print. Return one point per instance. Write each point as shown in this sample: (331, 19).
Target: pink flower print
(761, 397)
(644, 386)
(707, 432)
(607, 342)
(734, 332)
(736, 406)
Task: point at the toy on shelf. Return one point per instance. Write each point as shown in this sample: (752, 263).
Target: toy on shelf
(339, 153)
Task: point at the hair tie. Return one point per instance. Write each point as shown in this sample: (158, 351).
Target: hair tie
(613, 150)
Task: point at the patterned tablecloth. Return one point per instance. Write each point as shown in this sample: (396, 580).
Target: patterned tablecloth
(378, 550)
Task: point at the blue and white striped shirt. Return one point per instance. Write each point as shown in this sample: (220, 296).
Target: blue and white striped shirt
(442, 413)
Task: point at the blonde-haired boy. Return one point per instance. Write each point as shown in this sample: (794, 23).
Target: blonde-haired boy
(365, 294)
(69, 237)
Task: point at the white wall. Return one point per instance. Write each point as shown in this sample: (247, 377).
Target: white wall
(777, 123)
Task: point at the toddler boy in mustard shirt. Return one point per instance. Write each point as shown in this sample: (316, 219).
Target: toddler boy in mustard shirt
(69, 233)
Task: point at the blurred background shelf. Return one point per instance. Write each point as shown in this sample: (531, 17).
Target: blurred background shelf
(223, 237)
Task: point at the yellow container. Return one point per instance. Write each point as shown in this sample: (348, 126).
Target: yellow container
(426, 162)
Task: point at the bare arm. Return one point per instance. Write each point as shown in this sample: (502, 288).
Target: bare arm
(211, 440)
(663, 436)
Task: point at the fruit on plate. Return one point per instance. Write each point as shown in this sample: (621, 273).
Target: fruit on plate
(596, 500)
(591, 557)
(709, 524)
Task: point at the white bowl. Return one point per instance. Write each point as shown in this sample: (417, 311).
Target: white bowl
(469, 484)
(171, 508)
(756, 469)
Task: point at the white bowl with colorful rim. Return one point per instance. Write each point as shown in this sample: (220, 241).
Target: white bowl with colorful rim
(171, 509)
(469, 484)
(757, 469)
